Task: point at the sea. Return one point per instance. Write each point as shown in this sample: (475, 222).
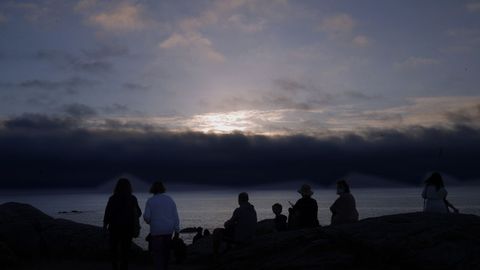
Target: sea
(210, 209)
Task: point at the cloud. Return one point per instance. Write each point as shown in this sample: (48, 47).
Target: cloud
(473, 6)
(123, 18)
(290, 85)
(194, 40)
(67, 157)
(135, 86)
(230, 14)
(341, 28)
(361, 41)
(3, 19)
(77, 110)
(40, 122)
(416, 62)
(463, 40)
(338, 25)
(117, 17)
(116, 109)
(465, 116)
(360, 95)
(71, 85)
(63, 60)
(240, 22)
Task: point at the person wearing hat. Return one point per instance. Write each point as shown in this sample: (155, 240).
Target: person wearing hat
(304, 214)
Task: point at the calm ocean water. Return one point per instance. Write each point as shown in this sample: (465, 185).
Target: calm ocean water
(211, 209)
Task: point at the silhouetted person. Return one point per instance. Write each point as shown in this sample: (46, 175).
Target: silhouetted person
(344, 208)
(198, 236)
(435, 195)
(240, 228)
(206, 233)
(121, 221)
(179, 250)
(162, 216)
(304, 214)
(280, 219)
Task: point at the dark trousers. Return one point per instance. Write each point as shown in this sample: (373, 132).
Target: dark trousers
(119, 250)
(160, 246)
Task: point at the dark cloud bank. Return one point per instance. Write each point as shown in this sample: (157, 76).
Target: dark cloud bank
(47, 152)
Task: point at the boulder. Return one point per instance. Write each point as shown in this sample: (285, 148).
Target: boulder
(28, 234)
(405, 241)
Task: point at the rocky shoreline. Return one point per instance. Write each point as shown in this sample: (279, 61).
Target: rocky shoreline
(404, 241)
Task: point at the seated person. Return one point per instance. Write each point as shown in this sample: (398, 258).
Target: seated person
(198, 236)
(304, 214)
(280, 220)
(344, 208)
(240, 228)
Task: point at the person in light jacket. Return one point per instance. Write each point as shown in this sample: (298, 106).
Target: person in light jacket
(435, 195)
(162, 216)
(344, 208)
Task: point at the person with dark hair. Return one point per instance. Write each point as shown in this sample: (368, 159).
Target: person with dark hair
(198, 235)
(280, 220)
(304, 214)
(240, 228)
(121, 221)
(344, 208)
(435, 195)
(162, 216)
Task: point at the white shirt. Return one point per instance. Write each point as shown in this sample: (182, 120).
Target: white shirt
(161, 213)
(435, 199)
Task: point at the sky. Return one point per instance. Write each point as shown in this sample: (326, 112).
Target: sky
(131, 76)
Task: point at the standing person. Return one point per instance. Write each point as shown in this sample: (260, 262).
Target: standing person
(162, 216)
(344, 208)
(435, 195)
(121, 222)
(304, 214)
(240, 228)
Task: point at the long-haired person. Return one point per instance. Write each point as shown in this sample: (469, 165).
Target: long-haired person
(344, 209)
(435, 195)
(121, 221)
(162, 216)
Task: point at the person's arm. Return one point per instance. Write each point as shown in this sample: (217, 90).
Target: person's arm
(147, 215)
(424, 192)
(233, 220)
(139, 211)
(333, 208)
(107, 214)
(176, 220)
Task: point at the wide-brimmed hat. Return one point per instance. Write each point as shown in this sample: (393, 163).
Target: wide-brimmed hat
(306, 190)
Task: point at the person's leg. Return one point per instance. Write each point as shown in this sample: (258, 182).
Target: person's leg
(161, 251)
(167, 245)
(113, 242)
(125, 244)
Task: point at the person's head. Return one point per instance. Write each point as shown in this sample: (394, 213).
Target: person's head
(199, 230)
(206, 232)
(157, 188)
(277, 209)
(305, 190)
(435, 180)
(342, 187)
(123, 187)
(242, 197)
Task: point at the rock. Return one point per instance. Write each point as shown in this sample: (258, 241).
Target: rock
(30, 234)
(405, 241)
